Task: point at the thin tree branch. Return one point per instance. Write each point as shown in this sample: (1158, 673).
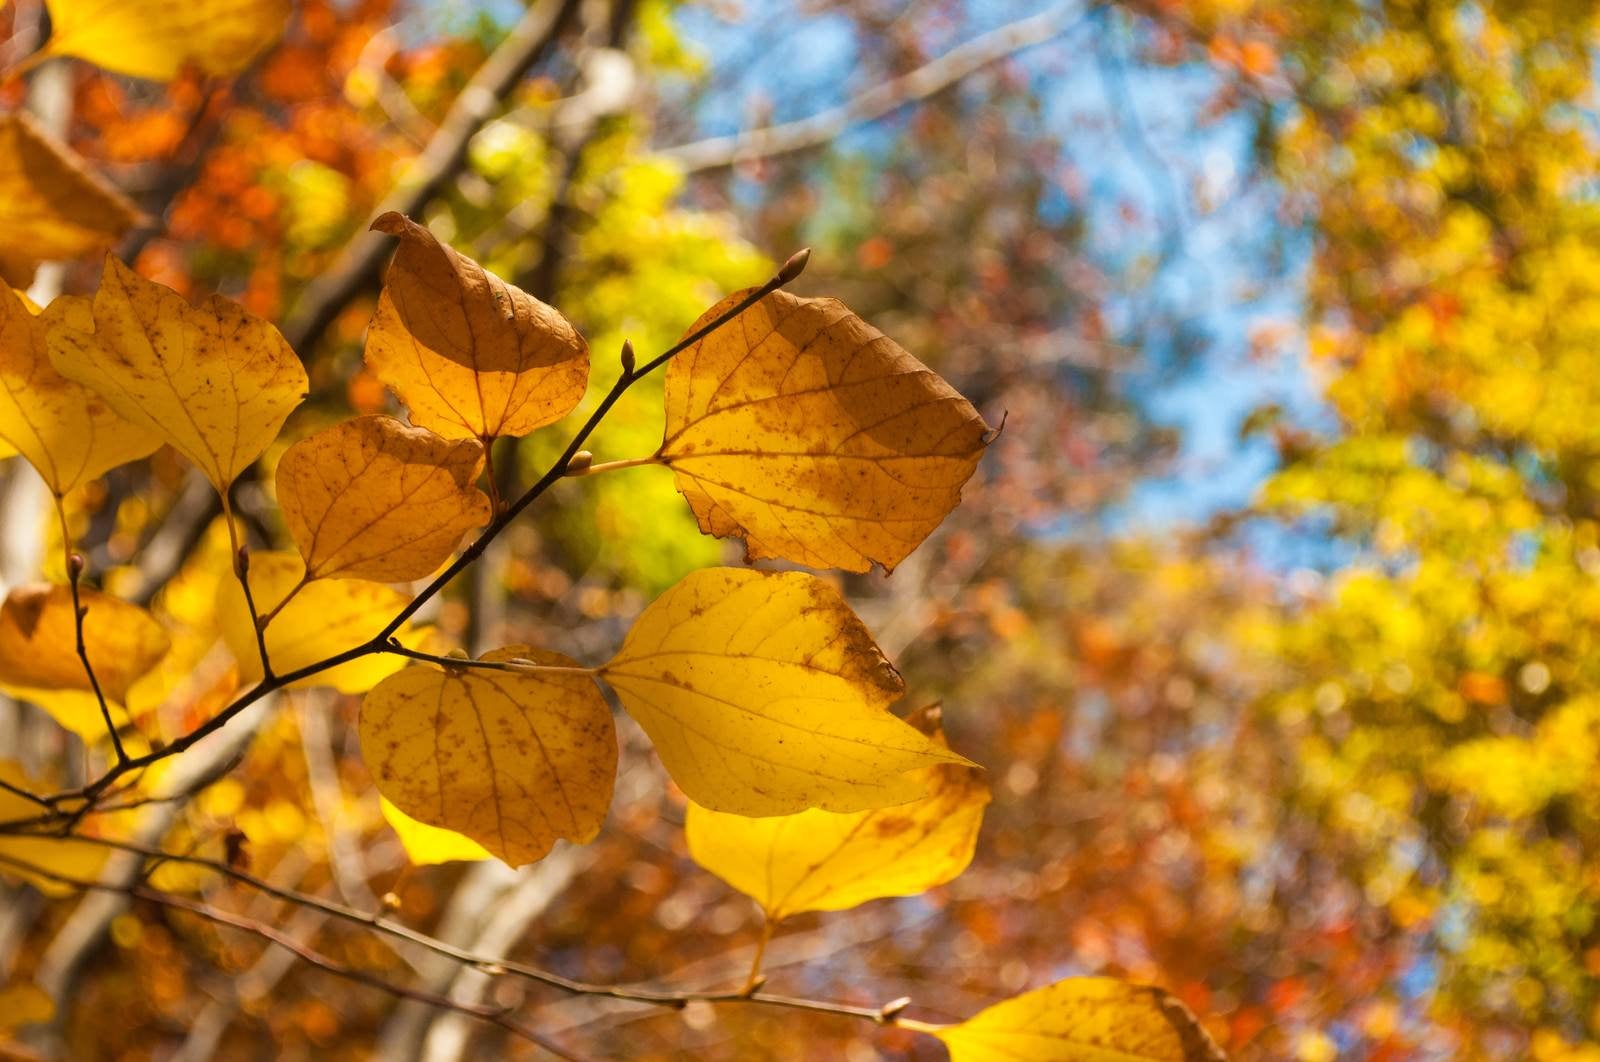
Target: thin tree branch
(283, 940)
(881, 100)
(492, 966)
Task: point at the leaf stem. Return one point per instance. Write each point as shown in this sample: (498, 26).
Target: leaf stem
(612, 466)
(394, 647)
(753, 982)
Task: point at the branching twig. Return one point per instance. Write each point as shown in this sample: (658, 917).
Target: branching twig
(382, 641)
(879, 101)
(889, 1014)
(314, 958)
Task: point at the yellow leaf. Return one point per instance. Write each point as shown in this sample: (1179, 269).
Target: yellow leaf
(820, 861)
(426, 845)
(74, 860)
(213, 380)
(814, 437)
(764, 695)
(374, 498)
(1083, 1019)
(513, 759)
(39, 660)
(469, 354)
(52, 206)
(155, 39)
(24, 1003)
(65, 430)
(322, 619)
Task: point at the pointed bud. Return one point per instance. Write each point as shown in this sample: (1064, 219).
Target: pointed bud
(74, 566)
(580, 463)
(794, 266)
(892, 1010)
(241, 561)
(627, 356)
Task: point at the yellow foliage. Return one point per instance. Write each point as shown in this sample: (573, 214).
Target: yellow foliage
(765, 695)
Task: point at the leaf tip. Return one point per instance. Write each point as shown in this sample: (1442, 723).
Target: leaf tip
(390, 222)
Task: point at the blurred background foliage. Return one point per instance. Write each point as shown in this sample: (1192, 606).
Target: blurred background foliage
(1273, 612)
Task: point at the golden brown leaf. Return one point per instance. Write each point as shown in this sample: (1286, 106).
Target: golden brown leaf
(38, 641)
(819, 861)
(765, 695)
(214, 380)
(65, 430)
(1083, 1019)
(814, 437)
(469, 354)
(512, 759)
(52, 205)
(156, 38)
(374, 498)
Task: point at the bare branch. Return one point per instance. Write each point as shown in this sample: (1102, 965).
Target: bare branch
(881, 100)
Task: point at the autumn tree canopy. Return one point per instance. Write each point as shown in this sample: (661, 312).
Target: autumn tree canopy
(651, 529)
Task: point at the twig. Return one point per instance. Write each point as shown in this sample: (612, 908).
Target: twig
(221, 917)
(258, 623)
(888, 1014)
(879, 101)
(74, 574)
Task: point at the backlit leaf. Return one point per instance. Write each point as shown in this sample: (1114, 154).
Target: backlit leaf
(65, 430)
(74, 860)
(156, 38)
(324, 617)
(764, 695)
(1083, 1019)
(39, 659)
(469, 354)
(814, 437)
(213, 380)
(819, 861)
(374, 498)
(24, 1003)
(428, 845)
(52, 206)
(512, 759)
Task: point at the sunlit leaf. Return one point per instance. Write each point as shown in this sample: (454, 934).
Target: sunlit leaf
(39, 659)
(73, 860)
(52, 205)
(427, 845)
(323, 618)
(514, 760)
(156, 38)
(374, 498)
(24, 1003)
(820, 861)
(1083, 1019)
(469, 354)
(765, 695)
(814, 437)
(213, 380)
(65, 430)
